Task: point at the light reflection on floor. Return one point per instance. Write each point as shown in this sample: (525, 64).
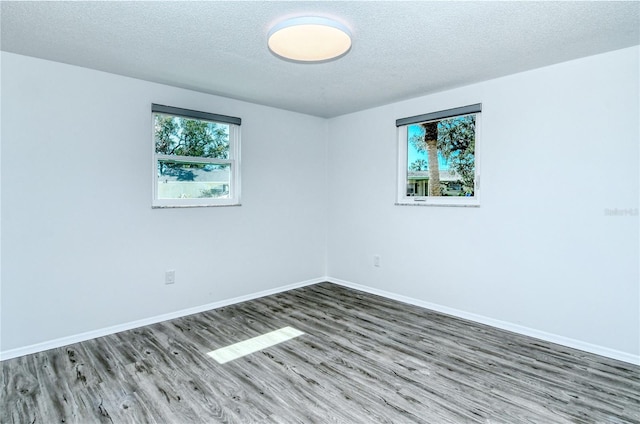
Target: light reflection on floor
(240, 349)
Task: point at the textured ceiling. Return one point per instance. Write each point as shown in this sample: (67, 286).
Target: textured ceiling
(400, 50)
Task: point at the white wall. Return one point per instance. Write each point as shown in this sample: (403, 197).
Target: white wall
(559, 146)
(81, 247)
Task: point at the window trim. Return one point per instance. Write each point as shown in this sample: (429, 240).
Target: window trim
(402, 150)
(195, 114)
(233, 161)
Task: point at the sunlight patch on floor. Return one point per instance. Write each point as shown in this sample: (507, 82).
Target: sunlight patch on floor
(240, 349)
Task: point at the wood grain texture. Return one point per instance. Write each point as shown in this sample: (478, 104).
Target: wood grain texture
(362, 359)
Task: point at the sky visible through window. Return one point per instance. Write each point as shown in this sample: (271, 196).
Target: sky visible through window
(413, 154)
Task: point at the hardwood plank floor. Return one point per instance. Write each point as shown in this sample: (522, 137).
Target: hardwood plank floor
(362, 359)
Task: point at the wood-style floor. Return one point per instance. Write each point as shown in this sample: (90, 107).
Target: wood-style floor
(362, 359)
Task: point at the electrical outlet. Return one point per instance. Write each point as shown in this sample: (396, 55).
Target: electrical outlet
(376, 261)
(170, 277)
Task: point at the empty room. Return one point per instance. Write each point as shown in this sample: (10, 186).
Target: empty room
(319, 212)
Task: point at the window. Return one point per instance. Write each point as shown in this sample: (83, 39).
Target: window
(438, 158)
(196, 158)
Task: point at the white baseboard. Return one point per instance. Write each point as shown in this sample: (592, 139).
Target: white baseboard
(504, 325)
(549, 337)
(64, 341)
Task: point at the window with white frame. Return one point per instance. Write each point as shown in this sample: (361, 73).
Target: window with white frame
(438, 161)
(196, 158)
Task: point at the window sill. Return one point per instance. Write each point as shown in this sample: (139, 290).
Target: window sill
(439, 205)
(194, 206)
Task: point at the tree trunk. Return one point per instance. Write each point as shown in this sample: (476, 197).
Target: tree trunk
(431, 140)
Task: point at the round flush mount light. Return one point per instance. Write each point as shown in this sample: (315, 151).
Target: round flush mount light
(309, 39)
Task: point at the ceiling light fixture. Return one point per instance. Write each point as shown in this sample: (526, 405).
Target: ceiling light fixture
(309, 40)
